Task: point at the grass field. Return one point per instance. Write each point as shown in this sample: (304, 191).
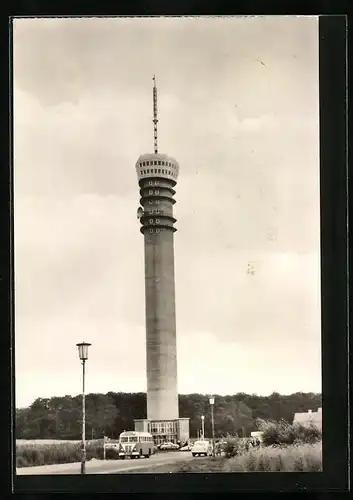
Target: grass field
(48, 451)
(40, 442)
(296, 458)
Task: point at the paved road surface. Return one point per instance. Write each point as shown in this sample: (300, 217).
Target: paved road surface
(109, 466)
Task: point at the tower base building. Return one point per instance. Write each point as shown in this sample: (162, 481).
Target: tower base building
(171, 431)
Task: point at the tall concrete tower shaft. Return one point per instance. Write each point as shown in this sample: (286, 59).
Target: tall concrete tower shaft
(157, 176)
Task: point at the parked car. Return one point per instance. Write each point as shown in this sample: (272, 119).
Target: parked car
(187, 447)
(169, 446)
(202, 447)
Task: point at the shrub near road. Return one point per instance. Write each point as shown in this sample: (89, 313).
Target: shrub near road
(282, 433)
(234, 446)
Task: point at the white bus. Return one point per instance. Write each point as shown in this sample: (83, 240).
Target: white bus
(135, 444)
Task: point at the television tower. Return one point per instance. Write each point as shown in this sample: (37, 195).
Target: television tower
(157, 176)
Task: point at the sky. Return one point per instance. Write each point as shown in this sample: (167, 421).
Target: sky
(238, 102)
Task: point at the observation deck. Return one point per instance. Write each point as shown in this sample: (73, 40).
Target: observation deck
(157, 175)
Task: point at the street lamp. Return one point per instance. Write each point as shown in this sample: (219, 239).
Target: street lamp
(203, 426)
(212, 415)
(83, 355)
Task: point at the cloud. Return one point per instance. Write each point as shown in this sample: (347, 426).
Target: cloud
(275, 303)
(71, 251)
(58, 370)
(239, 367)
(256, 124)
(75, 148)
(246, 137)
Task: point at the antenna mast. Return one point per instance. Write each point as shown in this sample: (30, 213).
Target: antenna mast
(155, 119)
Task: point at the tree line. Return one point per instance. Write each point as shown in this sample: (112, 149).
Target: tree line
(110, 414)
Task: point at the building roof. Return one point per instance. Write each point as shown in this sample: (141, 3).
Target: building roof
(135, 433)
(157, 156)
(305, 418)
(167, 166)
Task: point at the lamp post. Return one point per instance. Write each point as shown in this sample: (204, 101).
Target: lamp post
(212, 416)
(83, 355)
(203, 426)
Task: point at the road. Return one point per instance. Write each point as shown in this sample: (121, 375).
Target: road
(109, 466)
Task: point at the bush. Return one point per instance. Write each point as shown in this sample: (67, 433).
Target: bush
(21, 461)
(94, 450)
(283, 433)
(310, 434)
(111, 453)
(233, 446)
